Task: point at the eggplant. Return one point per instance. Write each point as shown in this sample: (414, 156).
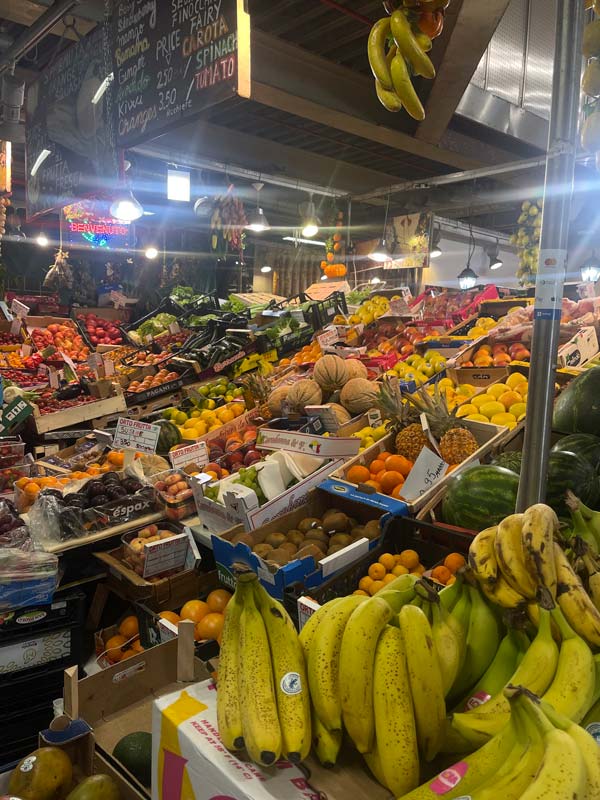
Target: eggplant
(69, 392)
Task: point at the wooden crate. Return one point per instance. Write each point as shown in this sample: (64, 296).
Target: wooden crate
(74, 416)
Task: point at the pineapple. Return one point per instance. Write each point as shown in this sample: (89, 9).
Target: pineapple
(259, 388)
(410, 437)
(456, 442)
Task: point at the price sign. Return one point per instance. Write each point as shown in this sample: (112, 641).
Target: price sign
(15, 326)
(131, 434)
(15, 412)
(174, 327)
(95, 362)
(399, 308)
(327, 338)
(322, 446)
(25, 350)
(428, 469)
(196, 453)
(19, 309)
(109, 367)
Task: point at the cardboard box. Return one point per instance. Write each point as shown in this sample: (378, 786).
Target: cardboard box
(580, 349)
(307, 571)
(73, 416)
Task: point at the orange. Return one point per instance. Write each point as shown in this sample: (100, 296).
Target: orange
(194, 610)
(377, 571)
(31, 489)
(129, 627)
(451, 580)
(358, 474)
(210, 626)
(170, 616)
(399, 570)
(115, 458)
(383, 456)
(137, 646)
(375, 587)
(129, 654)
(365, 583)
(22, 483)
(390, 480)
(376, 466)
(397, 493)
(375, 484)
(360, 591)
(419, 570)
(113, 648)
(409, 559)
(388, 561)
(388, 578)
(398, 464)
(454, 562)
(441, 574)
(218, 599)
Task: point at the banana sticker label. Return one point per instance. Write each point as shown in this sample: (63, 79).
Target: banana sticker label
(594, 730)
(449, 779)
(291, 683)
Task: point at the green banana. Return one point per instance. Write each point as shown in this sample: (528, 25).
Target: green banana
(448, 646)
(450, 595)
(376, 53)
(409, 47)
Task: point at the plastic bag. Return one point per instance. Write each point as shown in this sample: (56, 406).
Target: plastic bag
(51, 522)
(26, 579)
(13, 531)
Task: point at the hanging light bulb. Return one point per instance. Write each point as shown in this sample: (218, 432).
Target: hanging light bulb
(265, 269)
(310, 223)
(125, 207)
(257, 221)
(42, 240)
(151, 252)
(436, 250)
(492, 253)
(467, 279)
(590, 272)
(382, 252)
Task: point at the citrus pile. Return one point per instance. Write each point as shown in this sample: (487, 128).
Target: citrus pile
(501, 403)
(198, 422)
(386, 473)
(387, 568)
(126, 643)
(208, 615)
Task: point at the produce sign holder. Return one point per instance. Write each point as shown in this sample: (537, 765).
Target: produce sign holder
(162, 557)
(73, 416)
(500, 307)
(488, 437)
(477, 376)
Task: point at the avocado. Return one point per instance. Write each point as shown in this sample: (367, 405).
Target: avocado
(134, 751)
(96, 787)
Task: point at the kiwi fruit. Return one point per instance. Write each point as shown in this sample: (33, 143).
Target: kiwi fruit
(358, 532)
(343, 539)
(329, 512)
(308, 523)
(317, 534)
(290, 547)
(336, 523)
(295, 536)
(244, 538)
(334, 549)
(352, 523)
(275, 539)
(372, 529)
(279, 556)
(310, 550)
(263, 550)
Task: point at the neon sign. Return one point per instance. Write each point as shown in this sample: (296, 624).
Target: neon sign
(92, 223)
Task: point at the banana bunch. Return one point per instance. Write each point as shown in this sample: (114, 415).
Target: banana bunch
(393, 68)
(518, 562)
(538, 754)
(527, 239)
(263, 703)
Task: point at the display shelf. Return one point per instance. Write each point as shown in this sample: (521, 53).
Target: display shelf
(107, 533)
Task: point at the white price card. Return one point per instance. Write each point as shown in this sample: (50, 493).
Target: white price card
(174, 327)
(328, 337)
(19, 309)
(196, 453)
(374, 417)
(428, 470)
(25, 350)
(135, 435)
(109, 367)
(399, 308)
(15, 326)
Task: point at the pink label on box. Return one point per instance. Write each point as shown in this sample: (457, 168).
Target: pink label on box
(449, 778)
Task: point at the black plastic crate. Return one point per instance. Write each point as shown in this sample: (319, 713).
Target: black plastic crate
(25, 623)
(324, 311)
(432, 542)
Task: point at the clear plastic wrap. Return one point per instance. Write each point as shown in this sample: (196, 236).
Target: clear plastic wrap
(51, 523)
(26, 579)
(13, 531)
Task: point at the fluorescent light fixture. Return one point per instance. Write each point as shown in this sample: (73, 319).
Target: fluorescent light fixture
(42, 240)
(298, 240)
(178, 185)
(436, 250)
(310, 223)
(39, 161)
(265, 269)
(467, 279)
(151, 252)
(257, 222)
(102, 89)
(125, 207)
(381, 253)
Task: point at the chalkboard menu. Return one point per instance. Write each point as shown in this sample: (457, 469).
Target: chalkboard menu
(62, 120)
(173, 58)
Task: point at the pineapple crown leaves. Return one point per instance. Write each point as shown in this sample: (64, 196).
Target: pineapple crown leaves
(435, 407)
(258, 385)
(393, 406)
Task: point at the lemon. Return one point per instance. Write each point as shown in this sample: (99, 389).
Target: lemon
(497, 389)
(211, 405)
(195, 413)
(480, 399)
(477, 418)
(517, 409)
(507, 420)
(368, 441)
(521, 418)
(201, 428)
(179, 418)
(465, 389)
(515, 379)
(379, 432)
(476, 332)
(367, 319)
(491, 409)
(215, 427)
(445, 383)
(189, 435)
(465, 410)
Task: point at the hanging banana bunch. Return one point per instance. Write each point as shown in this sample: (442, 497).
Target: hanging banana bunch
(590, 83)
(397, 50)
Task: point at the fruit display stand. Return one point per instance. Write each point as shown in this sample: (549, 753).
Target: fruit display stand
(87, 412)
(102, 535)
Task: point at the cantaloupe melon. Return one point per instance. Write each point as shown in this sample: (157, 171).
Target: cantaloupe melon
(340, 412)
(359, 395)
(330, 373)
(356, 369)
(304, 393)
(276, 398)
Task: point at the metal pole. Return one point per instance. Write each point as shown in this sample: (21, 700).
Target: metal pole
(550, 279)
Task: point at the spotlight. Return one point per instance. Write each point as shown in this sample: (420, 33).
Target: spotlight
(467, 279)
(42, 240)
(151, 252)
(257, 222)
(492, 253)
(178, 185)
(310, 223)
(381, 253)
(125, 207)
(436, 250)
(265, 269)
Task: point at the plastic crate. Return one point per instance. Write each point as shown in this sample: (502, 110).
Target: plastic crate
(432, 542)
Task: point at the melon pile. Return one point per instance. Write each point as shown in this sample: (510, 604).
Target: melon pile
(340, 383)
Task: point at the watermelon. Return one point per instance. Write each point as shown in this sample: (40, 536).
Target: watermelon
(569, 471)
(480, 496)
(168, 438)
(585, 445)
(511, 460)
(577, 407)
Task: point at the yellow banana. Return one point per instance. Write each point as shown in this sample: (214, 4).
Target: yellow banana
(373, 760)
(425, 680)
(327, 744)
(593, 578)
(482, 556)
(502, 593)
(324, 661)
(540, 524)
(396, 735)
(310, 626)
(376, 53)
(403, 87)
(449, 647)
(229, 711)
(388, 98)
(260, 723)
(409, 47)
(511, 556)
(289, 674)
(575, 603)
(357, 656)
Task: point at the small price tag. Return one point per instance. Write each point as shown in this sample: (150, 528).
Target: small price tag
(196, 453)
(327, 338)
(109, 366)
(174, 327)
(148, 339)
(428, 469)
(52, 377)
(374, 417)
(25, 350)
(15, 326)
(399, 308)
(135, 435)
(19, 309)
(94, 361)
(15, 412)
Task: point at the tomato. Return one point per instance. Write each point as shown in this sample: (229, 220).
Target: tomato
(431, 23)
